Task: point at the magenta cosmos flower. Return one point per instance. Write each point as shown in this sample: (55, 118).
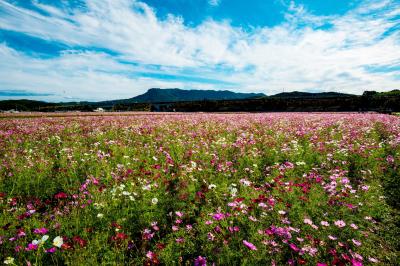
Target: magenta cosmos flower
(200, 261)
(249, 245)
(40, 231)
(218, 216)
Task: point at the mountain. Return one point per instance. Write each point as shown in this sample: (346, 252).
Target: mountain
(308, 95)
(169, 100)
(177, 95)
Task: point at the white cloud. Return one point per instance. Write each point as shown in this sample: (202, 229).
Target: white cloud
(214, 2)
(329, 53)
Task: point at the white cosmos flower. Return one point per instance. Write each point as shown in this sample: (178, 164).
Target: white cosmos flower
(212, 186)
(9, 260)
(58, 241)
(154, 201)
(44, 238)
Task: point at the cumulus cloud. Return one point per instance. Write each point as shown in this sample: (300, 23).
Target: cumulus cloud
(304, 52)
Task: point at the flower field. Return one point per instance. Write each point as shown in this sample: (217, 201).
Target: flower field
(200, 189)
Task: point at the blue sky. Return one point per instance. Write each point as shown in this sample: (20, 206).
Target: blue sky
(60, 50)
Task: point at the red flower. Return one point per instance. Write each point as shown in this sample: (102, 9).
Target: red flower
(66, 246)
(160, 245)
(61, 195)
(80, 241)
(119, 237)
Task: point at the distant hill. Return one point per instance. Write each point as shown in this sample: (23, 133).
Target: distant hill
(319, 95)
(156, 95)
(23, 105)
(225, 101)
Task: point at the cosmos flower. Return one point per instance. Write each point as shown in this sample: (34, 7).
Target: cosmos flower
(40, 231)
(308, 221)
(9, 260)
(31, 246)
(294, 247)
(58, 241)
(200, 261)
(175, 228)
(373, 260)
(355, 262)
(44, 238)
(249, 245)
(340, 223)
(324, 223)
(212, 186)
(218, 216)
(150, 255)
(51, 250)
(180, 240)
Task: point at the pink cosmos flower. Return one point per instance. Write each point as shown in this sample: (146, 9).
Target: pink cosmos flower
(179, 214)
(150, 255)
(356, 242)
(175, 228)
(365, 187)
(373, 260)
(180, 240)
(324, 223)
(354, 226)
(147, 234)
(314, 226)
(308, 221)
(340, 223)
(155, 226)
(232, 204)
(332, 237)
(249, 245)
(21, 233)
(390, 159)
(251, 218)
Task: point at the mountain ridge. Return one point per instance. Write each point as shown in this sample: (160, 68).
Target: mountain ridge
(287, 101)
(155, 95)
(320, 95)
